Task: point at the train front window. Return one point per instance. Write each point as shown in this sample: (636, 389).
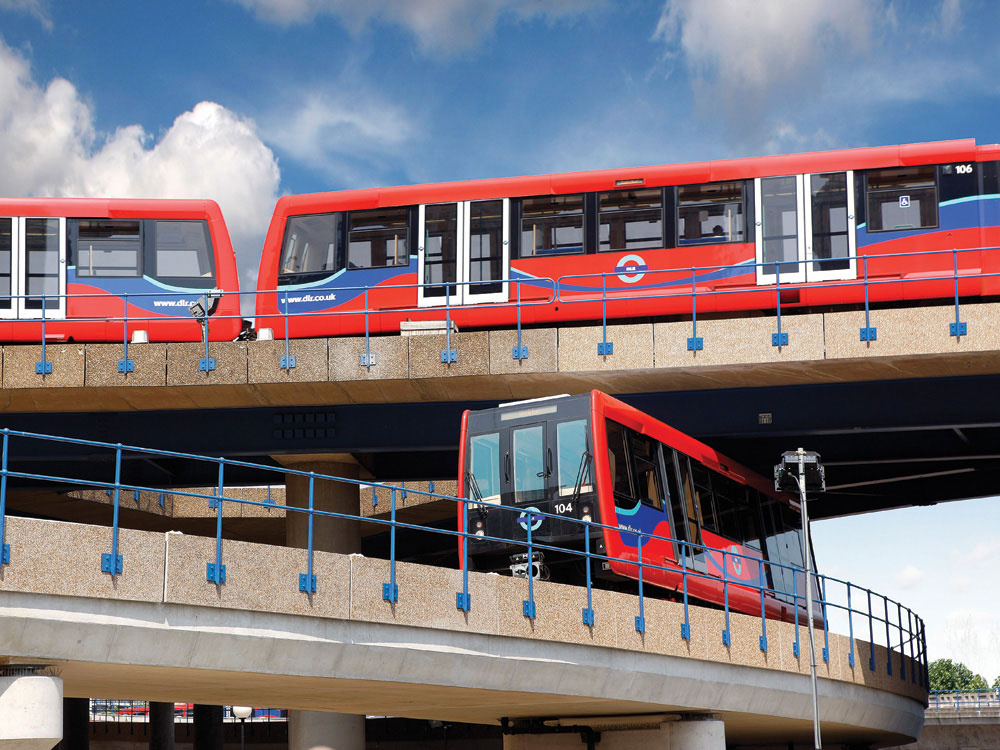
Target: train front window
(485, 462)
(710, 213)
(572, 464)
(106, 247)
(528, 444)
(619, 468)
(311, 244)
(630, 220)
(6, 249)
(378, 238)
(551, 224)
(183, 250)
(645, 471)
(902, 198)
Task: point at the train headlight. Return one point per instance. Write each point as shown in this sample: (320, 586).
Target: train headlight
(480, 532)
(479, 524)
(586, 514)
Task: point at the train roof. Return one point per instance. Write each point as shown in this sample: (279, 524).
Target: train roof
(124, 208)
(912, 154)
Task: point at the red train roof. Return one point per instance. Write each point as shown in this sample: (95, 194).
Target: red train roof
(912, 154)
(124, 208)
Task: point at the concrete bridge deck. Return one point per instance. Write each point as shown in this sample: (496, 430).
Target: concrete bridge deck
(160, 631)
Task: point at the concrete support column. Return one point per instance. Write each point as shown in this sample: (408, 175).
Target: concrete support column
(76, 724)
(161, 726)
(318, 730)
(31, 712)
(329, 534)
(207, 727)
(698, 733)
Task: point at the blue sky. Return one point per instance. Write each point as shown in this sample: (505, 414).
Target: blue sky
(246, 100)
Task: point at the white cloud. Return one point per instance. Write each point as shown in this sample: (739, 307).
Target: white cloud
(51, 148)
(441, 27)
(970, 636)
(910, 576)
(37, 8)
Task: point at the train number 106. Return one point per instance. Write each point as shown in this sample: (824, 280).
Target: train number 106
(963, 169)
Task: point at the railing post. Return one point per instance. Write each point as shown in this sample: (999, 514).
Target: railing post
(850, 627)
(902, 643)
(4, 547)
(958, 328)
(448, 354)
(520, 351)
(288, 361)
(826, 623)
(307, 580)
(909, 632)
(588, 611)
(686, 625)
(605, 347)
(216, 572)
(888, 640)
(112, 563)
(640, 620)
(871, 633)
(725, 597)
(868, 333)
(390, 591)
(462, 599)
(44, 367)
(796, 650)
(763, 614)
(528, 605)
(778, 339)
(367, 359)
(695, 342)
(125, 365)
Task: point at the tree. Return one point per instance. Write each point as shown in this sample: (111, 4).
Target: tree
(951, 677)
(996, 683)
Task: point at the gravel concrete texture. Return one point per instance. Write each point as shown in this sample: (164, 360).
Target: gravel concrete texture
(311, 361)
(383, 496)
(632, 348)
(738, 341)
(913, 331)
(543, 351)
(61, 558)
(391, 353)
(259, 577)
(67, 360)
(231, 364)
(147, 502)
(472, 350)
(149, 365)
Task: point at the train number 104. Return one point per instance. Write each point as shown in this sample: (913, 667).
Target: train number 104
(564, 508)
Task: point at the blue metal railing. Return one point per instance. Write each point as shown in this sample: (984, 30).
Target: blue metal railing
(965, 701)
(904, 631)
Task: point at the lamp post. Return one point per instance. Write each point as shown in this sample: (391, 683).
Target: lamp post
(242, 713)
(803, 470)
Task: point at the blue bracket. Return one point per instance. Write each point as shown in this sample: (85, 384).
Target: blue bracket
(367, 360)
(850, 658)
(126, 365)
(725, 637)
(160, 499)
(779, 339)
(107, 566)
(5, 555)
(307, 583)
(640, 624)
(213, 503)
(588, 617)
(519, 352)
(43, 368)
(390, 592)
(826, 654)
(206, 364)
(463, 601)
(288, 362)
(763, 644)
(795, 650)
(695, 343)
(958, 329)
(686, 631)
(605, 348)
(528, 609)
(871, 661)
(869, 334)
(136, 495)
(449, 355)
(216, 576)
(430, 486)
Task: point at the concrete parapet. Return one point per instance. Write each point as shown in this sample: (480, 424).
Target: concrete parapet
(632, 348)
(184, 360)
(265, 359)
(382, 505)
(472, 355)
(149, 365)
(391, 358)
(543, 351)
(67, 361)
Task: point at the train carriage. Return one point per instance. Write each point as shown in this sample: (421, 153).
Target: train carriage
(84, 265)
(556, 464)
(912, 221)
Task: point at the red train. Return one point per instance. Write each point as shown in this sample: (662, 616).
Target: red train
(77, 263)
(638, 241)
(592, 458)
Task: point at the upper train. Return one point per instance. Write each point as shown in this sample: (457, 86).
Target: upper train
(638, 241)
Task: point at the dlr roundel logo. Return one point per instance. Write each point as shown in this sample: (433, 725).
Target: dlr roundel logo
(631, 268)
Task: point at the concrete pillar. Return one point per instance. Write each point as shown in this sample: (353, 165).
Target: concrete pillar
(698, 733)
(161, 726)
(76, 724)
(207, 727)
(319, 730)
(329, 534)
(31, 712)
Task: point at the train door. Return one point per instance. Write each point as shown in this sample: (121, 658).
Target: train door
(806, 228)
(33, 267)
(464, 252)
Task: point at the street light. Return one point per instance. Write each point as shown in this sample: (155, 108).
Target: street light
(802, 470)
(242, 713)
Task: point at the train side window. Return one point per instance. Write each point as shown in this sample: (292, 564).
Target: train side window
(485, 463)
(107, 247)
(182, 249)
(311, 244)
(551, 225)
(6, 250)
(378, 238)
(747, 518)
(710, 213)
(727, 506)
(902, 198)
(703, 496)
(630, 220)
(571, 448)
(645, 471)
(621, 482)
(675, 495)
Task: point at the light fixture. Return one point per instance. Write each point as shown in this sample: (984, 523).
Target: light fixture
(242, 713)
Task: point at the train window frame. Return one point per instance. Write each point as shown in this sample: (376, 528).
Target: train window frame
(206, 279)
(740, 237)
(7, 242)
(401, 259)
(116, 244)
(897, 193)
(638, 244)
(289, 275)
(551, 218)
